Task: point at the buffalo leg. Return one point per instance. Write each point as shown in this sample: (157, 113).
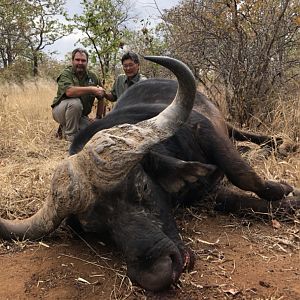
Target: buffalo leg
(231, 200)
(264, 140)
(238, 171)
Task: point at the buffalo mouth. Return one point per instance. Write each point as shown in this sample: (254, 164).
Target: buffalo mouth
(156, 275)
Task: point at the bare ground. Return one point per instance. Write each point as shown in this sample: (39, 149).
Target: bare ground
(236, 259)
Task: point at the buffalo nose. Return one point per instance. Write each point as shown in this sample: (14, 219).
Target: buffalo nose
(157, 275)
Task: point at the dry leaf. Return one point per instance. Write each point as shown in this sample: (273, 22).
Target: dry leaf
(231, 291)
(82, 280)
(275, 224)
(208, 243)
(44, 245)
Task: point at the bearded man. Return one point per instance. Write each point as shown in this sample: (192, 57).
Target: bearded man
(77, 89)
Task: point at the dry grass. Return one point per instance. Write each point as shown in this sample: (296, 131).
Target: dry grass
(29, 152)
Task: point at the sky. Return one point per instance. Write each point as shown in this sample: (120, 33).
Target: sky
(141, 8)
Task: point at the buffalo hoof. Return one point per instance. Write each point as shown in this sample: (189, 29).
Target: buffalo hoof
(274, 191)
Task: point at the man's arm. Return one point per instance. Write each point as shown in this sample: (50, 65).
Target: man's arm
(77, 91)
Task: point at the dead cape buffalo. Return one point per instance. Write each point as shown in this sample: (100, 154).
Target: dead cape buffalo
(126, 171)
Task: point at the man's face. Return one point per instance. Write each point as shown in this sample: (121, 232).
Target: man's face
(79, 63)
(130, 68)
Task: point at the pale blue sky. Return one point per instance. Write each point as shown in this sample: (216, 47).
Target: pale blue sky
(141, 8)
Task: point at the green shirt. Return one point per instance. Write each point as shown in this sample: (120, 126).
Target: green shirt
(122, 83)
(68, 78)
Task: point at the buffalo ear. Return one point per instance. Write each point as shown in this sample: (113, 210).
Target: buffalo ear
(172, 173)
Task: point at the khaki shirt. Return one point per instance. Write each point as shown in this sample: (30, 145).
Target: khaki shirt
(122, 83)
(68, 78)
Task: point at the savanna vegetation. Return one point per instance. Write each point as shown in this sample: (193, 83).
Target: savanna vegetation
(245, 57)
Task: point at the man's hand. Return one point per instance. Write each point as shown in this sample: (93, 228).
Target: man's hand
(99, 92)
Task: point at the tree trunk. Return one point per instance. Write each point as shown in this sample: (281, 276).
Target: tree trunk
(35, 64)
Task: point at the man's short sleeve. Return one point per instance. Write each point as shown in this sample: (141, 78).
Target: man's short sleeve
(64, 81)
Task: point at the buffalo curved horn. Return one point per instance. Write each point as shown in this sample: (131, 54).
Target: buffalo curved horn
(113, 152)
(69, 193)
(105, 161)
(179, 110)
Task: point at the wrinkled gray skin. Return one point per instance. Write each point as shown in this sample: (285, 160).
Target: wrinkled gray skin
(125, 180)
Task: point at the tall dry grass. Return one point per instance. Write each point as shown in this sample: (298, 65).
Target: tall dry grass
(29, 152)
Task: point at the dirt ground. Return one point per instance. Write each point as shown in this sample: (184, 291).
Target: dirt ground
(237, 258)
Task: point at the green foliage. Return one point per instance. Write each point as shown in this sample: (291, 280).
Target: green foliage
(27, 27)
(12, 20)
(43, 27)
(17, 72)
(146, 39)
(103, 23)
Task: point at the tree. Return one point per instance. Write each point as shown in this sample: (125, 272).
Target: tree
(104, 24)
(146, 40)
(42, 27)
(249, 47)
(11, 41)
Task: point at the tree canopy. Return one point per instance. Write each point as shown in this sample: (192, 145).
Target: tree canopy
(103, 23)
(27, 27)
(248, 49)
